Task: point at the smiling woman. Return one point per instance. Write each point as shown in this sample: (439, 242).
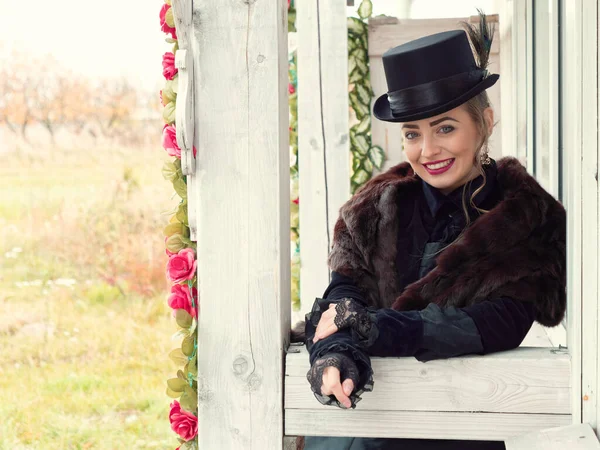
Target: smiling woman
(447, 254)
(447, 152)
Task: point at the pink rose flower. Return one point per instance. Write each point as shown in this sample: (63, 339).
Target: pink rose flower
(169, 141)
(182, 266)
(169, 69)
(181, 298)
(183, 423)
(291, 88)
(163, 23)
(297, 201)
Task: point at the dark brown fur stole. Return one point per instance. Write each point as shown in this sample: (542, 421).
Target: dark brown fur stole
(516, 250)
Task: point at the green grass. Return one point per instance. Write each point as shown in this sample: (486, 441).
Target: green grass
(84, 362)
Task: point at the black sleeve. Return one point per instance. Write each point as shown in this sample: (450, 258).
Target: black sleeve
(502, 323)
(342, 286)
(340, 342)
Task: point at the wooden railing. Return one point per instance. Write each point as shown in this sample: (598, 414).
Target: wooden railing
(492, 397)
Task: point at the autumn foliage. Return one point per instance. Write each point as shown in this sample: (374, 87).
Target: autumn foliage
(39, 91)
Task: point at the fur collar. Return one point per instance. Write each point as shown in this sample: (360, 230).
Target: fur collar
(516, 250)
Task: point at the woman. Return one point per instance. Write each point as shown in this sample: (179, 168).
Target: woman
(447, 254)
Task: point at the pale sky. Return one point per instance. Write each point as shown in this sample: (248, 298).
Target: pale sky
(96, 38)
(123, 37)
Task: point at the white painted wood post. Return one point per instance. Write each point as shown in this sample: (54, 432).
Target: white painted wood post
(323, 128)
(184, 62)
(240, 58)
(580, 140)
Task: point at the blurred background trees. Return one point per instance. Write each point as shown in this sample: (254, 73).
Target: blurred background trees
(42, 101)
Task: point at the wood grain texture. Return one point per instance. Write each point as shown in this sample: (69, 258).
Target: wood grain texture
(572, 98)
(240, 56)
(573, 437)
(417, 424)
(589, 213)
(182, 10)
(525, 380)
(323, 142)
(386, 33)
(184, 61)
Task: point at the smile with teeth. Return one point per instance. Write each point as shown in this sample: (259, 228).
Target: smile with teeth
(438, 165)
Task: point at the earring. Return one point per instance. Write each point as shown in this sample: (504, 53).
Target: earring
(485, 156)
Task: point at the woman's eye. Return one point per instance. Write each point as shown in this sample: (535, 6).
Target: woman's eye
(410, 135)
(446, 129)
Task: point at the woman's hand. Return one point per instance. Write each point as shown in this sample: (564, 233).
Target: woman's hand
(325, 377)
(347, 313)
(326, 326)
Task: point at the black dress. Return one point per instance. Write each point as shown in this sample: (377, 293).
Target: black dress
(433, 333)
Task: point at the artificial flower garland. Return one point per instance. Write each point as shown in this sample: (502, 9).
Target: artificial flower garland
(182, 263)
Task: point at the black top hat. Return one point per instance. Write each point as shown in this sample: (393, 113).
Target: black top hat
(429, 76)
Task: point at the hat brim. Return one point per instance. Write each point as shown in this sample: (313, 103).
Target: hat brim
(382, 110)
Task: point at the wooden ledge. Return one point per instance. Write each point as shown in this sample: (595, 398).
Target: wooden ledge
(473, 397)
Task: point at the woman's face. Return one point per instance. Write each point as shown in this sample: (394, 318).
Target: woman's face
(441, 149)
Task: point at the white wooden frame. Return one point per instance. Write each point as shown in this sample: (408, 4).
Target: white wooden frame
(241, 133)
(242, 187)
(488, 398)
(323, 136)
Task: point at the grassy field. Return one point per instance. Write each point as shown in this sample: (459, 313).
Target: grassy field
(84, 329)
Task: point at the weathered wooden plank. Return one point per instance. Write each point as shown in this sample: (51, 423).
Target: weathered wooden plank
(525, 380)
(323, 146)
(385, 33)
(572, 95)
(538, 337)
(573, 437)
(589, 213)
(417, 424)
(240, 55)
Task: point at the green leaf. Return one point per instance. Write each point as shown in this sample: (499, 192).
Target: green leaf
(181, 213)
(181, 375)
(362, 65)
(365, 9)
(176, 228)
(178, 357)
(193, 367)
(359, 108)
(169, 91)
(180, 187)
(173, 394)
(189, 399)
(170, 171)
(360, 177)
(176, 384)
(355, 161)
(170, 19)
(368, 166)
(187, 345)
(183, 318)
(360, 144)
(363, 126)
(377, 156)
(351, 64)
(356, 26)
(169, 113)
(363, 94)
(170, 40)
(355, 76)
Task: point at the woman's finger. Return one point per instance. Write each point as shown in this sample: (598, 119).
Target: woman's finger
(331, 375)
(348, 386)
(338, 391)
(327, 328)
